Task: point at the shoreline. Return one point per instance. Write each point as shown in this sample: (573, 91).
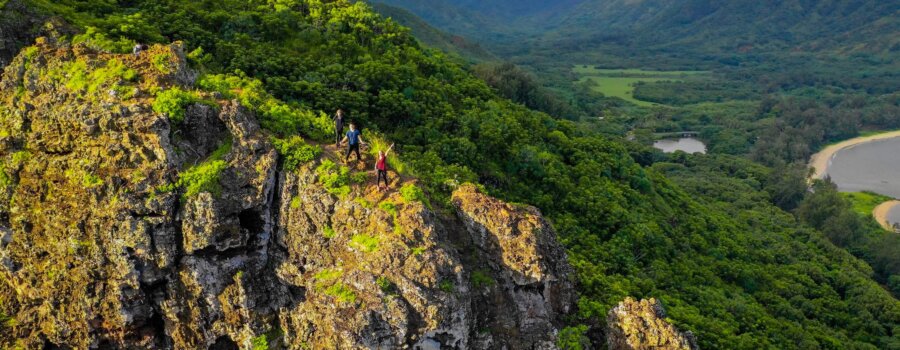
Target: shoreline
(881, 214)
(820, 161)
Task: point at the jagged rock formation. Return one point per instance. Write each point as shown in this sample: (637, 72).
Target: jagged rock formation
(98, 248)
(642, 325)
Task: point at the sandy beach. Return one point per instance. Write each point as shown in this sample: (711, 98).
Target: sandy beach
(820, 161)
(881, 213)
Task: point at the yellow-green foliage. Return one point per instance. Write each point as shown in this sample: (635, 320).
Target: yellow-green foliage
(364, 243)
(203, 177)
(335, 179)
(4, 177)
(418, 250)
(327, 282)
(386, 286)
(342, 293)
(172, 103)
(80, 78)
(162, 62)
(412, 193)
(329, 233)
(96, 39)
(363, 202)
(294, 151)
(864, 203)
(296, 202)
(91, 181)
(389, 207)
(275, 115)
(264, 341)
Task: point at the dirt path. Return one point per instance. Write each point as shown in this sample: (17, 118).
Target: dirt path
(822, 160)
(881, 214)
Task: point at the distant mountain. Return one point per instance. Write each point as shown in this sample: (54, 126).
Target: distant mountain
(434, 37)
(695, 25)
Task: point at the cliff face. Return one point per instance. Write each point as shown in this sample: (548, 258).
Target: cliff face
(123, 229)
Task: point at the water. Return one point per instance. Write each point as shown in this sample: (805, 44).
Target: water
(872, 166)
(893, 216)
(685, 144)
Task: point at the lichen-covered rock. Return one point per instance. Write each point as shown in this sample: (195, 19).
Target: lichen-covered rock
(527, 279)
(374, 269)
(642, 325)
(121, 227)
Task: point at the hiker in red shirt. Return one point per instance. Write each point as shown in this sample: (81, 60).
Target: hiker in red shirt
(381, 167)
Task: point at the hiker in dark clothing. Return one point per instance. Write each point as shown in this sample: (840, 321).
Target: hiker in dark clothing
(138, 48)
(381, 167)
(353, 139)
(338, 126)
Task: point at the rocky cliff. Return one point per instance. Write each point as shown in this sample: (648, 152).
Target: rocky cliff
(123, 227)
(642, 325)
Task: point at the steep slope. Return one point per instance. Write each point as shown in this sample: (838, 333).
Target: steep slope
(185, 234)
(433, 37)
(741, 279)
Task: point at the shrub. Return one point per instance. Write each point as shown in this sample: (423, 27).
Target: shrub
(389, 207)
(294, 151)
(296, 202)
(573, 338)
(334, 178)
(172, 103)
(203, 177)
(412, 193)
(274, 115)
(162, 62)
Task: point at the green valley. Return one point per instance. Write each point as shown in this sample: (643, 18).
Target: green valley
(190, 194)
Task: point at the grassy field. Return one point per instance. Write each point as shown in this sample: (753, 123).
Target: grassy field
(620, 82)
(590, 70)
(865, 202)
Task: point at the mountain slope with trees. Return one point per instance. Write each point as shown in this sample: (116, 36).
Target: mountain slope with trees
(739, 277)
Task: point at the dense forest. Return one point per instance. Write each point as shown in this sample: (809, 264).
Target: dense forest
(701, 233)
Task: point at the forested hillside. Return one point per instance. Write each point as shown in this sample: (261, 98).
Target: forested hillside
(737, 271)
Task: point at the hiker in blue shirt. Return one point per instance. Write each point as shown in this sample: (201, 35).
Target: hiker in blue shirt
(353, 139)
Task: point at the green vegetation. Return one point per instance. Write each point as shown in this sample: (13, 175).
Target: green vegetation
(335, 179)
(864, 203)
(296, 202)
(387, 287)
(699, 233)
(162, 62)
(172, 103)
(447, 286)
(573, 338)
(412, 193)
(203, 177)
(389, 207)
(327, 282)
(365, 243)
(91, 181)
(115, 75)
(329, 233)
(342, 293)
(482, 279)
(622, 83)
(294, 151)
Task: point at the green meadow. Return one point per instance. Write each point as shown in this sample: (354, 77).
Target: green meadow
(620, 82)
